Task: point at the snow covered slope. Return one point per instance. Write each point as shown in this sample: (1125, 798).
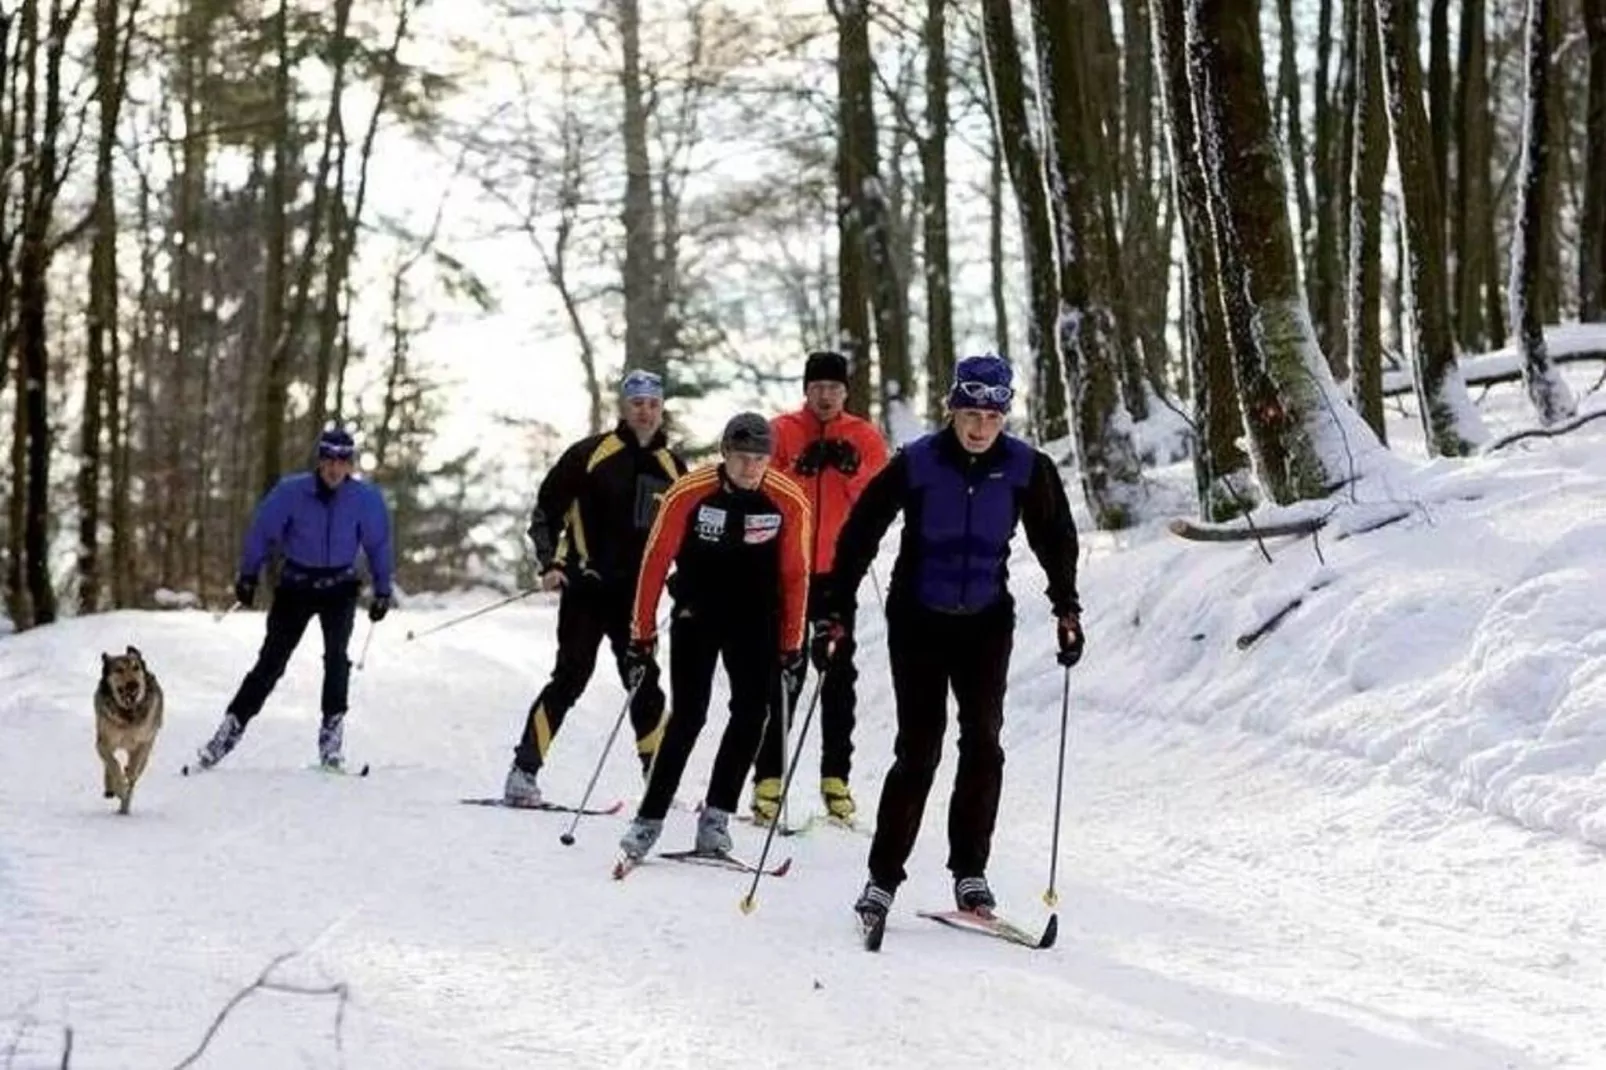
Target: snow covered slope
(1369, 840)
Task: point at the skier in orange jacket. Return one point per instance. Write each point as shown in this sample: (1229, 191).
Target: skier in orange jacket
(832, 455)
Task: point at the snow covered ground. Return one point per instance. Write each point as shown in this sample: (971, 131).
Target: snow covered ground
(1370, 839)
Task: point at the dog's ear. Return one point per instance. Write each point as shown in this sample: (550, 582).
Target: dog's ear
(105, 663)
(134, 653)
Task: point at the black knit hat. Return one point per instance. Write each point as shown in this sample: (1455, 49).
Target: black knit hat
(825, 366)
(747, 432)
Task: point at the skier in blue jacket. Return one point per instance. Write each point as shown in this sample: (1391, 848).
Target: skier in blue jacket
(951, 618)
(316, 522)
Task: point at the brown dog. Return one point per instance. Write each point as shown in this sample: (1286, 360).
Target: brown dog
(128, 714)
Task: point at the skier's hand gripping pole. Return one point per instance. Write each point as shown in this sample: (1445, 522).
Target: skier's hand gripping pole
(1051, 896)
(749, 902)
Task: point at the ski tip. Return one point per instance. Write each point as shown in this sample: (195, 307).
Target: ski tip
(782, 869)
(1051, 932)
(184, 770)
(364, 770)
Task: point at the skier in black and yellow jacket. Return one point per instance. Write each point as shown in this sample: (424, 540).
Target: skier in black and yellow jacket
(592, 515)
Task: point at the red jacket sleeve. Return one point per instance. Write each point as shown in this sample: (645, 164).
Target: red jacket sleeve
(663, 544)
(872, 450)
(795, 522)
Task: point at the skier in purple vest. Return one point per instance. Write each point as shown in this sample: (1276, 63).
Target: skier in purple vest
(950, 616)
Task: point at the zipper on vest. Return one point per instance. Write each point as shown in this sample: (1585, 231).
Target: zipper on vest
(970, 500)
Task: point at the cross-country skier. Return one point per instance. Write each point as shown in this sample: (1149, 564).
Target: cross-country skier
(951, 618)
(317, 521)
(592, 515)
(737, 534)
(832, 455)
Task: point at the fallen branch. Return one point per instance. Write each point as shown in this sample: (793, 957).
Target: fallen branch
(1545, 432)
(1197, 531)
(1267, 626)
(264, 984)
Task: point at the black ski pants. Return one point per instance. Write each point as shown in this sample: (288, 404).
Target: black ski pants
(293, 608)
(931, 653)
(748, 647)
(838, 698)
(588, 612)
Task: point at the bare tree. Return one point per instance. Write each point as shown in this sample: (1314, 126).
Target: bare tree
(1451, 424)
(934, 214)
(1592, 229)
(1370, 158)
(1472, 207)
(1548, 391)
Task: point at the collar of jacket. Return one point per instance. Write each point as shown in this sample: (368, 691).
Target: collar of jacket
(628, 436)
(953, 451)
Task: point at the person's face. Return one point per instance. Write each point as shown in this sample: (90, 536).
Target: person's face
(334, 470)
(825, 399)
(644, 416)
(978, 429)
(746, 470)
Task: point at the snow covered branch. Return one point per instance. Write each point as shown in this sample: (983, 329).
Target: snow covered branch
(1546, 432)
(264, 983)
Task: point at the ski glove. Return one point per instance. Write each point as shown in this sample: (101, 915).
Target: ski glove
(815, 456)
(840, 453)
(638, 660)
(828, 635)
(245, 590)
(793, 668)
(1071, 640)
(378, 607)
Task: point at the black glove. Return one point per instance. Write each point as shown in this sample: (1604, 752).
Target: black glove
(245, 590)
(843, 455)
(1071, 640)
(378, 606)
(814, 457)
(793, 668)
(639, 657)
(828, 633)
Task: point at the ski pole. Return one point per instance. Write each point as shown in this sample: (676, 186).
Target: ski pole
(455, 621)
(876, 579)
(220, 614)
(367, 640)
(748, 900)
(1052, 897)
(567, 839)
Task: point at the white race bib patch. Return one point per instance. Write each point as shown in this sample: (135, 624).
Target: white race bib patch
(710, 523)
(762, 527)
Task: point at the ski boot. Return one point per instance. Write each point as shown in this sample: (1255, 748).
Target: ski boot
(331, 742)
(766, 803)
(520, 789)
(640, 837)
(838, 799)
(713, 832)
(972, 896)
(223, 740)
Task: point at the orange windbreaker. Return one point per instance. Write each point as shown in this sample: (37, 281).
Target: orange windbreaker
(831, 494)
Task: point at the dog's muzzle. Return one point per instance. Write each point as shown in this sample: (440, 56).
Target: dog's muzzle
(128, 697)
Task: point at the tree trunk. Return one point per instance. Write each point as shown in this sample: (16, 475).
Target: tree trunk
(853, 290)
(1439, 102)
(1221, 468)
(16, 601)
(1472, 178)
(997, 285)
(1109, 466)
(1013, 130)
(276, 385)
(1335, 132)
(1450, 423)
(1303, 438)
(1550, 271)
(1145, 229)
(1548, 391)
(1364, 288)
(643, 319)
(934, 204)
(100, 372)
(1291, 112)
(1592, 232)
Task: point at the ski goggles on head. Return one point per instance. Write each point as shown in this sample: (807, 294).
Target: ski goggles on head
(642, 384)
(335, 451)
(974, 391)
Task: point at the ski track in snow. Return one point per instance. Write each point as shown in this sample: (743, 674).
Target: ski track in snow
(1270, 859)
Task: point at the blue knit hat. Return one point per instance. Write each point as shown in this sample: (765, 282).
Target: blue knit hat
(640, 383)
(982, 383)
(336, 444)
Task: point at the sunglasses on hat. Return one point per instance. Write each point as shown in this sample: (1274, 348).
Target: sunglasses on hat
(998, 395)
